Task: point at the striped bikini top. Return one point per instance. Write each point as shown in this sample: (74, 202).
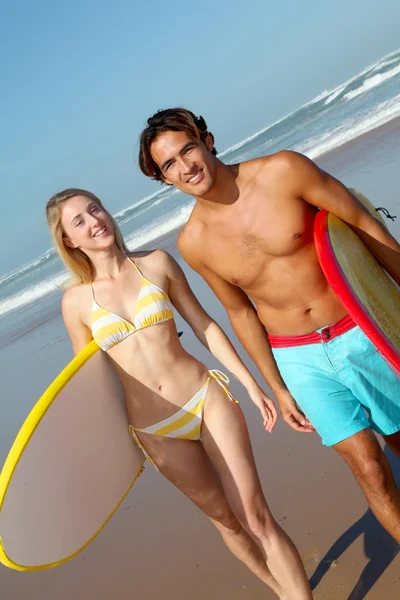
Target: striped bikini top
(153, 306)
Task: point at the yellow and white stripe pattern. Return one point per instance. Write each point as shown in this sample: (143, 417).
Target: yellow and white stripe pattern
(153, 306)
(186, 423)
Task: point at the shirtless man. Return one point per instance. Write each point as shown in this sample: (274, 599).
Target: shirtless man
(250, 236)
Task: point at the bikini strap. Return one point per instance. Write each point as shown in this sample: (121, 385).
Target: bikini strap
(91, 287)
(135, 265)
(223, 381)
(140, 445)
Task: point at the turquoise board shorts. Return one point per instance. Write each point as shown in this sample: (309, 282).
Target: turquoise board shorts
(340, 382)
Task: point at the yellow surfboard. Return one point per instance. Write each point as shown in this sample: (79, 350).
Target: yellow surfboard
(70, 467)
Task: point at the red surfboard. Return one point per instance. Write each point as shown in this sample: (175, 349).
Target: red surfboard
(371, 297)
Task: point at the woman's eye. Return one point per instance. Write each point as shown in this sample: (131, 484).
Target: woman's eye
(78, 223)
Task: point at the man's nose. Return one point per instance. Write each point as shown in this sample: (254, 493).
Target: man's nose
(185, 164)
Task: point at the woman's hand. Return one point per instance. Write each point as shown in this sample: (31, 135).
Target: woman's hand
(266, 405)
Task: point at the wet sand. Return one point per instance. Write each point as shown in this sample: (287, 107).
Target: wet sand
(159, 546)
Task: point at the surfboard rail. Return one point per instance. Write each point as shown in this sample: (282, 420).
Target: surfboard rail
(331, 235)
(25, 434)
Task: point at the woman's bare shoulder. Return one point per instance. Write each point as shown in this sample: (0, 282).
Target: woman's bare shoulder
(75, 297)
(153, 258)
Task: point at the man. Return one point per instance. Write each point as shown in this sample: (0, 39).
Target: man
(250, 236)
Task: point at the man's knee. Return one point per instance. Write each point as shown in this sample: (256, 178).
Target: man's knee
(393, 441)
(374, 473)
(366, 459)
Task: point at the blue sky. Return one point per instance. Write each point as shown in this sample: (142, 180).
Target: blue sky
(79, 79)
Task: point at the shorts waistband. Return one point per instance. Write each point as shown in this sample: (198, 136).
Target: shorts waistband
(322, 336)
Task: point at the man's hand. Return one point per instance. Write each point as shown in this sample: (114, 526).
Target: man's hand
(291, 413)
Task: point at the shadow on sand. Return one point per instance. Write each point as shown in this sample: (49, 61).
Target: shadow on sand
(379, 547)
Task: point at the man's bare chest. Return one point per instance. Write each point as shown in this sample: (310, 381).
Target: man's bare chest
(242, 251)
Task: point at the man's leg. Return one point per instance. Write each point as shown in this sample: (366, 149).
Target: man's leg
(371, 468)
(393, 441)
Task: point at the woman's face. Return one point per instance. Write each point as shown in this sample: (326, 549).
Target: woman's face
(86, 225)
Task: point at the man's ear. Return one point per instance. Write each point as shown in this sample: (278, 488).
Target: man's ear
(165, 180)
(68, 243)
(209, 141)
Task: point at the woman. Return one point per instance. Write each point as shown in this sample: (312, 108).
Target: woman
(182, 415)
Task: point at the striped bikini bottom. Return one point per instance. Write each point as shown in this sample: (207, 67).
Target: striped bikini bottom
(186, 423)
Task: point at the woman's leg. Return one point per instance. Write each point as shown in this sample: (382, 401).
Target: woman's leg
(226, 441)
(186, 464)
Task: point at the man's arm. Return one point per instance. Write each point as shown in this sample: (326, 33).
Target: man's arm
(252, 335)
(307, 182)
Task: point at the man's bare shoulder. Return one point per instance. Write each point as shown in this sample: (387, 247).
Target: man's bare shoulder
(280, 162)
(285, 169)
(190, 241)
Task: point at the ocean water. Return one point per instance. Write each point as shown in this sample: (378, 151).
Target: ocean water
(34, 347)
(364, 102)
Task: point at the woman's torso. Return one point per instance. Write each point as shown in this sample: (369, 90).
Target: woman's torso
(157, 375)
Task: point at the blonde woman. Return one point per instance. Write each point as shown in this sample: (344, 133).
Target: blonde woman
(181, 414)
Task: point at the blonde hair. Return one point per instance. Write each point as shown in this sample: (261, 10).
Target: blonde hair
(76, 261)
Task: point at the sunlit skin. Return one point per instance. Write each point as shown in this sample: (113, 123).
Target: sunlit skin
(116, 286)
(250, 236)
(158, 377)
(185, 163)
(86, 225)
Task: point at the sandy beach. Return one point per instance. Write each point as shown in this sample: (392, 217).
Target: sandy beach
(159, 546)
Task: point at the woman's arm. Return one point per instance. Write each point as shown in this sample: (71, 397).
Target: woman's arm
(214, 339)
(253, 337)
(79, 333)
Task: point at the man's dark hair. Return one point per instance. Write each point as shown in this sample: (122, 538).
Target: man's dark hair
(170, 119)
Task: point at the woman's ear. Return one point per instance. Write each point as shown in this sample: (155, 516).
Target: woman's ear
(68, 243)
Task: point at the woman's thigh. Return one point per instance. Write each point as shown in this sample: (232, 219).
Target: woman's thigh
(186, 465)
(226, 440)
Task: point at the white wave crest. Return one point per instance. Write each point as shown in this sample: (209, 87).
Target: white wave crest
(32, 293)
(258, 133)
(146, 236)
(160, 228)
(122, 213)
(372, 82)
(36, 262)
(351, 129)
(160, 194)
(386, 63)
(314, 147)
(329, 94)
(334, 95)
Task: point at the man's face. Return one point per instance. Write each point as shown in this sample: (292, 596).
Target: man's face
(185, 162)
